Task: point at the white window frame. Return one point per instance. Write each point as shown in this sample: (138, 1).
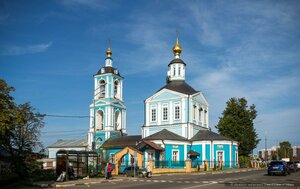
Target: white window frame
(148, 155)
(236, 158)
(194, 112)
(116, 88)
(151, 114)
(223, 155)
(179, 113)
(177, 155)
(112, 157)
(163, 113)
(102, 93)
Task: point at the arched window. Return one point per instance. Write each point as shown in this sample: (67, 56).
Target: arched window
(117, 120)
(179, 69)
(174, 70)
(98, 139)
(116, 89)
(102, 89)
(99, 120)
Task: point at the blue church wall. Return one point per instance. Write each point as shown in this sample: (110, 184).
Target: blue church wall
(196, 160)
(100, 138)
(226, 153)
(207, 153)
(169, 148)
(234, 156)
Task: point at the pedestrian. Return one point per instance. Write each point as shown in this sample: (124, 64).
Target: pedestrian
(106, 171)
(148, 171)
(110, 168)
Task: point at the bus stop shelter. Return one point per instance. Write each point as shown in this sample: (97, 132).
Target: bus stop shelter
(75, 162)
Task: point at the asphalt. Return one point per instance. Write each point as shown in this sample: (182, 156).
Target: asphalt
(89, 181)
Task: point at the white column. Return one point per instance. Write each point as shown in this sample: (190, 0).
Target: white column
(185, 151)
(171, 113)
(182, 109)
(230, 154)
(159, 112)
(147, 119)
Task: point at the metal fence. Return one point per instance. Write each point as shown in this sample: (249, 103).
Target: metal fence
(169, 164)
(214, 164)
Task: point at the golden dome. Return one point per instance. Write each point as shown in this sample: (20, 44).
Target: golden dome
(177, 48)
(108, 52)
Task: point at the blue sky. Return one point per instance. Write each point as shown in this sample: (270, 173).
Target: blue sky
(50, 50)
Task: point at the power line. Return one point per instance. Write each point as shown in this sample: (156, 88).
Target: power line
(66, 116)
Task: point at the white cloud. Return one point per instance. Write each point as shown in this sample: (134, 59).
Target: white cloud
(78, 4)
(21, 50)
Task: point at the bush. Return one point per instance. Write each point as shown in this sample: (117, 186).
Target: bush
(43, 175)
(244, 161)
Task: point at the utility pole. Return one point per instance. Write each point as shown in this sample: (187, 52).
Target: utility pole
(266, 152)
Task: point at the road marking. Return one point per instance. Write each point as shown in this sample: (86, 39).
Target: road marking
(155, 181)
(163, 181)
(187, 182)
(170, 181)
(196, 182)
(199, 186)
(205, 182)
(178, 181)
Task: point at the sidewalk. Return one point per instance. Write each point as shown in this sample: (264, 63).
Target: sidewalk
(70, 183)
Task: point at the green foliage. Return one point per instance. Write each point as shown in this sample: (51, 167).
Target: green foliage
(285, 150)
(237, 123)
(43, 175)
(244, 161)
(19, 131)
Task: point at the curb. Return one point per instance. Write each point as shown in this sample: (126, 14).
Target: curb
(57, 185)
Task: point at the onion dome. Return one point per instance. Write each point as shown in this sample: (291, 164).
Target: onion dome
(109, 52)
(177, 48)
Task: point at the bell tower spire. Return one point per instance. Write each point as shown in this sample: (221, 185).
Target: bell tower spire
(177, 48)
(108, 59)
(176, 70)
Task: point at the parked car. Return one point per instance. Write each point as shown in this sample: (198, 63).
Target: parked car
(278, 167)
(135, 171)
(292, 166)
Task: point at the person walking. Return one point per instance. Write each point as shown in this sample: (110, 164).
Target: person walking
(110, 168)
(148, 171)
(106, 171)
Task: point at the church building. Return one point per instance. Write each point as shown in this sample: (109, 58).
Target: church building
(176, 123)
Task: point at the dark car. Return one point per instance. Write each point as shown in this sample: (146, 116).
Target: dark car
(134, 171)
(292, 166)
(278, 168)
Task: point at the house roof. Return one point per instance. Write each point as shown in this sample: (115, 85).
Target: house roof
(151, 144)
(179, 86)
(208, 135)
(108, 69)
(121, 141)
(69, 143)
(193, 153)
(165, 135)
(176, 60)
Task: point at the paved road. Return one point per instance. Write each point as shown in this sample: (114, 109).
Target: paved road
(248, 179)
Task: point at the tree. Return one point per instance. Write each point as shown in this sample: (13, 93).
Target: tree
(20, 130)
(237, 123)
(7, 108)
(285, 150)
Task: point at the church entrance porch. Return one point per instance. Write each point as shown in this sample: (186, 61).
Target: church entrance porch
(136, 154)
